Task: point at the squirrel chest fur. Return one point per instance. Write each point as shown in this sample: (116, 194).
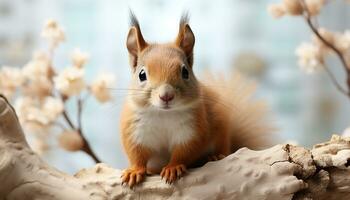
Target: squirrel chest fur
(161, 131)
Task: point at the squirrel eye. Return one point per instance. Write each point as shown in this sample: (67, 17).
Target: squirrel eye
(184, 73)
(142, 75)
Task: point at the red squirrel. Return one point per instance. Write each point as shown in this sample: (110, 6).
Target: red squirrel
(170, 120)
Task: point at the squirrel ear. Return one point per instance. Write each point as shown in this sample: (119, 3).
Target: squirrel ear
(135, 42)
(185, 39)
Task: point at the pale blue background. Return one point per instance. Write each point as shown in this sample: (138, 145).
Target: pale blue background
(306, 108)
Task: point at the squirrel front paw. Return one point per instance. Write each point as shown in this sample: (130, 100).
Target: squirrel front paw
(172, 172)
(133, 176)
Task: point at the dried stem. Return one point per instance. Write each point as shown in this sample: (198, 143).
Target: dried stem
(86, 146)
(66, 117)
(339, 54)
(334, 80)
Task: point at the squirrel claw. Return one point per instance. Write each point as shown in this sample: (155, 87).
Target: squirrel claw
(172, 172)
(133, 176)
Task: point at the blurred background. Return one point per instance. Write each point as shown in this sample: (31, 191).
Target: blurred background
(229, 34)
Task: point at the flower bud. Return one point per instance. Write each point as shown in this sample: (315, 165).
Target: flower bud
(71, 141)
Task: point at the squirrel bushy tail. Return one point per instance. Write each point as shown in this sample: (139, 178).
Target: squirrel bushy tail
(250, 122)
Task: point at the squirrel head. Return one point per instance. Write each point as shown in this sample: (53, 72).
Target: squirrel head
(162, 73)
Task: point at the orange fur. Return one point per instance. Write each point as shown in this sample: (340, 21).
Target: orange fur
(218, 120)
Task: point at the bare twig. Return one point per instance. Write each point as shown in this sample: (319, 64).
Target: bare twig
(86, 146)
(80, 110)
(339, 54)
(334, 80)
(66, 117)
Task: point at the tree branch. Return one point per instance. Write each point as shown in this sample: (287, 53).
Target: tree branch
(334, 81)
(281, 172)
(68, 120)
(308, 18)
(86, 147)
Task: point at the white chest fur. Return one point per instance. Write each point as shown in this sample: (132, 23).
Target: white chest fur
(162, 130)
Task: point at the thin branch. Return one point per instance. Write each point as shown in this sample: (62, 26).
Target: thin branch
(69, 121)
(341, 57)
(86, 147)
(81, 101)
(80, 110)
(334, 80)
(308, 19)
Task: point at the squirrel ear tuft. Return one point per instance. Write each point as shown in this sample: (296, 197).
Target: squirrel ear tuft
(135, 41)
(185, 38)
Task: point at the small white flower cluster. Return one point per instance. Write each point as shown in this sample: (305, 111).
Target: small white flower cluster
(311, 55)
(79, 58)
(37, 116)
(100, 87)
(37, 74)
(70, 81)
(295, 7)
(53, 33)
(39, 92)
(10, 79)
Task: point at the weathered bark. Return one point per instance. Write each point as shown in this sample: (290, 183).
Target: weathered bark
(280, 172)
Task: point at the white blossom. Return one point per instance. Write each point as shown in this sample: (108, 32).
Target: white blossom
(38, 67)
(79, 58)
(292, 7)
(100, 87)
(10, 79)
(70, 81)
(39, 146)
(295, 7)
(36, 115)
(276, 10)
(30, 114)
(52, 108)
(22, 105)
(314, 6)
(342, 41)
(53, 33)
(37, 74)
(310, 57)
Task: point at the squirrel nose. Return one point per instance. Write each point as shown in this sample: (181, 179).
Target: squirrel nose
(167, 97)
